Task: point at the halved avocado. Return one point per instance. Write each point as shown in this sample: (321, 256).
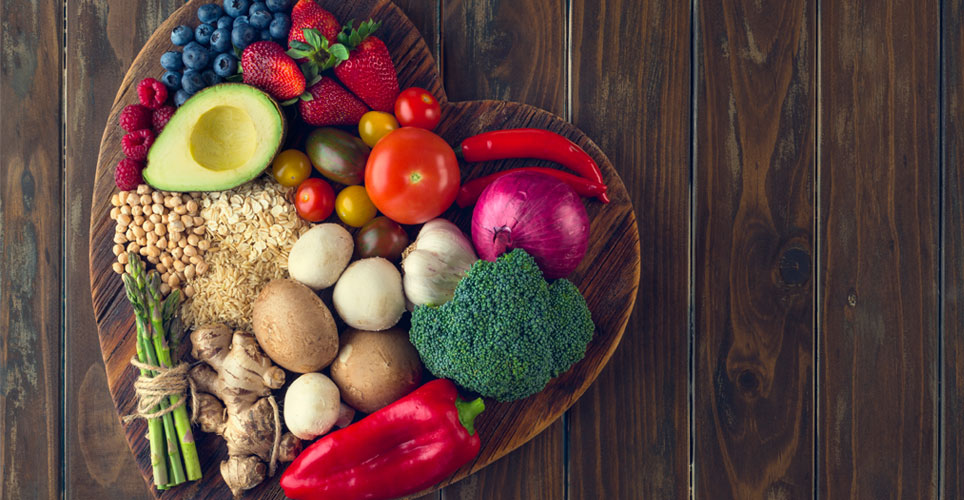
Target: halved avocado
(220, 138)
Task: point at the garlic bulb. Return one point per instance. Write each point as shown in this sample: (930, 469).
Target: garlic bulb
(435, 262)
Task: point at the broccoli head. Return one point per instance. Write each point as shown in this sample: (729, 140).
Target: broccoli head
(506, 331)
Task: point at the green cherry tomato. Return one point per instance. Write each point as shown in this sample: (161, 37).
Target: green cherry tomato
(374, 125)
(314, 200)
(290, 167)
(382, 237)
(354, 207)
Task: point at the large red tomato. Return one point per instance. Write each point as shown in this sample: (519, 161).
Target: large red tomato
(412, 175)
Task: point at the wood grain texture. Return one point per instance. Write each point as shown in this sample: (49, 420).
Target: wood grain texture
(879, 216)
(629, 434)
(31, 201)
(754, 380)
(952, 435)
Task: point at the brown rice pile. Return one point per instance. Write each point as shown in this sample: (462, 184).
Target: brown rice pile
(251, 228)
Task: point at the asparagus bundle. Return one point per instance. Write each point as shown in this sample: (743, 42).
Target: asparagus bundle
(173, 452)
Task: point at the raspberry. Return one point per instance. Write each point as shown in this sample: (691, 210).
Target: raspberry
(127, 174)
(136, 144)
(135, 117)
(161, 116)
(152, 93)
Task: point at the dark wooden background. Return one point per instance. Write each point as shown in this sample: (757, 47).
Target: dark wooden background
(799, 329)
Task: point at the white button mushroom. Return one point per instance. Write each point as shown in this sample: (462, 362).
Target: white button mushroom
(312, 406)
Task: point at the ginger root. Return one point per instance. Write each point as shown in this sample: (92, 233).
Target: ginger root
(234, 389)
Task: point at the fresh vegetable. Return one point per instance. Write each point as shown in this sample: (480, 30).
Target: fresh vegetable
(470, 191)
(294, 327)
(435, 263)
(234, 382)
(417, 107)
(535, 212)
(330, 104)
(532, 143)
(368, 72)
(320, 255)
(401, 449)
(354, 207)
(373, 369)
(374, 125)
(265, 65)
(412, 175)
(506, 332)
(381, 237)
(314, 199)
(312, 405)
(337, 155)
(368, 296)
(290, 168)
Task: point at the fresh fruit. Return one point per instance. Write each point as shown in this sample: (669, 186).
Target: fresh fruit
(225, 65)
(308, 14)
(280, 25)
(337, 155)
(417, 107)
(238, 21)
(266, 66)
(374, 125)
(354, 207)
(265, 35)
(192, 81)
(368, 72)
(196, 56)
(331, 104)
(314, 200)
(222, 137)
(235, 8)
(127, 174)
(381, 237)
(202, 34)
(171, 61)
(257, 7)
(225, 21)
(260, 19)
(135, 117)
(135, 144)
(277, 5)
(180, 97)
(221, 40)
(151, 93)
(243, 35)
(209, 13)
(211, 78)
(290, 167)
(160, 117)
(172, 79)
(412, 175)
(182, 35)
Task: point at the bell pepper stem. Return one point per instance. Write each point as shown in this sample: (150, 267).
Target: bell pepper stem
(468, 410)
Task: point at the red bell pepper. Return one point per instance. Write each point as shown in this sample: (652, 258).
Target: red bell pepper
(401, 449)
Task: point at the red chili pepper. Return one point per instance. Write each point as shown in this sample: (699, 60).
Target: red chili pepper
(401, 449)
(470, 191)
(532, 143)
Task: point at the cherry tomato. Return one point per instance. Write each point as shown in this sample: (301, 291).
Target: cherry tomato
(314, 200)
(417, 107)
(412, 175)
(290, 167)
(382, 237)
(374, 125)
(354, 207)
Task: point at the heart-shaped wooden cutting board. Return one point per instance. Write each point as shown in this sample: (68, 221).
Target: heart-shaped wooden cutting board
(608, 276)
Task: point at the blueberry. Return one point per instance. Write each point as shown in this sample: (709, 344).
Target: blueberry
(260, 19)
(225, 22)
(277, 5)
(225, 65)
(172, 79)
(235, 8)
(196, 56)
(244, 35)
(265, 35)
(256, 7)
(209, 13)
(182, 35)
(202, 34)
(180, 96)
(239, 20)
(171, 61)
(210, 78)
(192, 81)
(221, 40)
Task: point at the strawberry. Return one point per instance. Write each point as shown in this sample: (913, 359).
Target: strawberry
(266, 66)
(308, 14)
(330, 104)
(127, 174)
(369, 71)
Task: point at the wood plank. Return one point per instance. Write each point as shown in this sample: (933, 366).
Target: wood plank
(629, 434)
(879, 222)
(754, 380)
(30, 250)
(100, 47)
(952, 434)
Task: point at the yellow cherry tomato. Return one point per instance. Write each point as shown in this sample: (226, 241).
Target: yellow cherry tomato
(374, 125)
(290, 167)
(354, 207)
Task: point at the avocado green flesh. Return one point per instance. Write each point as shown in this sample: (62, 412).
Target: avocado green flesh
(222, 137)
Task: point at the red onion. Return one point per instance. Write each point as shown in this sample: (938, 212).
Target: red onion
(537, 213)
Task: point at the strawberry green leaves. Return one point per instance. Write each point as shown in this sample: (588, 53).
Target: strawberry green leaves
(317, 54)
(351, 37)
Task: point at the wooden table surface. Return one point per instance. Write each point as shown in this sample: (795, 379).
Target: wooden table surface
(799, 328)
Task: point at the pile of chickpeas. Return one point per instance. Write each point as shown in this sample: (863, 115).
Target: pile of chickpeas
(166, 229)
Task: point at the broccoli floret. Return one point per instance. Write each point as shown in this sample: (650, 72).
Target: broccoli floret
(506, 332)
